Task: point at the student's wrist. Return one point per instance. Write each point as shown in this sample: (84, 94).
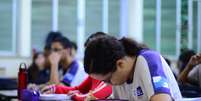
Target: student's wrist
(190, 66)
(54, 65)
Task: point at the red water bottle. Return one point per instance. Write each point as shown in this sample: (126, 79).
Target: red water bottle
(22, 79)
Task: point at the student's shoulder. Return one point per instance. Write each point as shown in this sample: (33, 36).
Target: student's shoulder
(150, 59)
(149, 53)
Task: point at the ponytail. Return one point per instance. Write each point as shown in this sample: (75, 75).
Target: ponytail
(131, 47)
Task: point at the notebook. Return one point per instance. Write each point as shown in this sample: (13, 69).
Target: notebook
(54, 97)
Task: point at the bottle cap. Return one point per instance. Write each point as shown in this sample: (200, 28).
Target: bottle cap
(23, 66)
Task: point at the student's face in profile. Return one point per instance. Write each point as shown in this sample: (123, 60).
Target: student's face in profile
(117, 77)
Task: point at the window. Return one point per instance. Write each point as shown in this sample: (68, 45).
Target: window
(95, 16)
(68, 18)
(168, 27)
(149, 23)
(195, 22)
(7, 27)
(41, 22)
(114, 17)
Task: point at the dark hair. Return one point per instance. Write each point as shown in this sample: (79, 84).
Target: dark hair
(102, 53)
(185, 57)
(74, 45)
(33, 68)
(48, 41)
(65, 42)
(93, 37)
(50, 37)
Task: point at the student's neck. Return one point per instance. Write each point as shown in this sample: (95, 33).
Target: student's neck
(68, 62)
(130, 79)
(40, 68)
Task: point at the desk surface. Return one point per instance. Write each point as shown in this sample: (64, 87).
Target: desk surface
(12, 94)
(8, 93)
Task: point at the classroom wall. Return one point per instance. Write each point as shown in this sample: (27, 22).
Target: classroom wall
(9, 65)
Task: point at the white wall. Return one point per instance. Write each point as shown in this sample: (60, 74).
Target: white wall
(9, 65)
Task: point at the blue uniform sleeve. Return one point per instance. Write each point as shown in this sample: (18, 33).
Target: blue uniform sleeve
(158, 77)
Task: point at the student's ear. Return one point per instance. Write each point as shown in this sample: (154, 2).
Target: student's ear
(65, 52)
(69, 52)
(119, 64)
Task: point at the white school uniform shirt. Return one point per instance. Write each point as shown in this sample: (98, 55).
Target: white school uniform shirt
(75, 75)
(152, 75)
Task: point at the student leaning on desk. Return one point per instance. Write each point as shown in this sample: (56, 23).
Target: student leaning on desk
(136, 73)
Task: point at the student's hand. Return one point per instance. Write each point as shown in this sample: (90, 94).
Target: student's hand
(90, 97)
(50, 89)
(33, 87)
(54, 59)
(195, 60)
(72, 93)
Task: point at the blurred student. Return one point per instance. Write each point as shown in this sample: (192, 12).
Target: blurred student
(184, 58)
(89, 89)
(72, 72)
(185, 78)
(136, 73)
(192, 72)
(37, 73)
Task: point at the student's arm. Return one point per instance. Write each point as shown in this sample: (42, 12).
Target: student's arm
(161, 97)
(85, 86)
(100, 92)
(58, 89)
(54, 59)
(103, 91)
(61, 89)
(184, 74)
(195, 60)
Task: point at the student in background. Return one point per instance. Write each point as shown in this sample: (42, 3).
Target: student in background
(184, 58)
(74, 49)
(192, 72)
(89, 89)
(37, 73)
(136, 73)
(188, 88)
(47, 48)
(71, 72)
